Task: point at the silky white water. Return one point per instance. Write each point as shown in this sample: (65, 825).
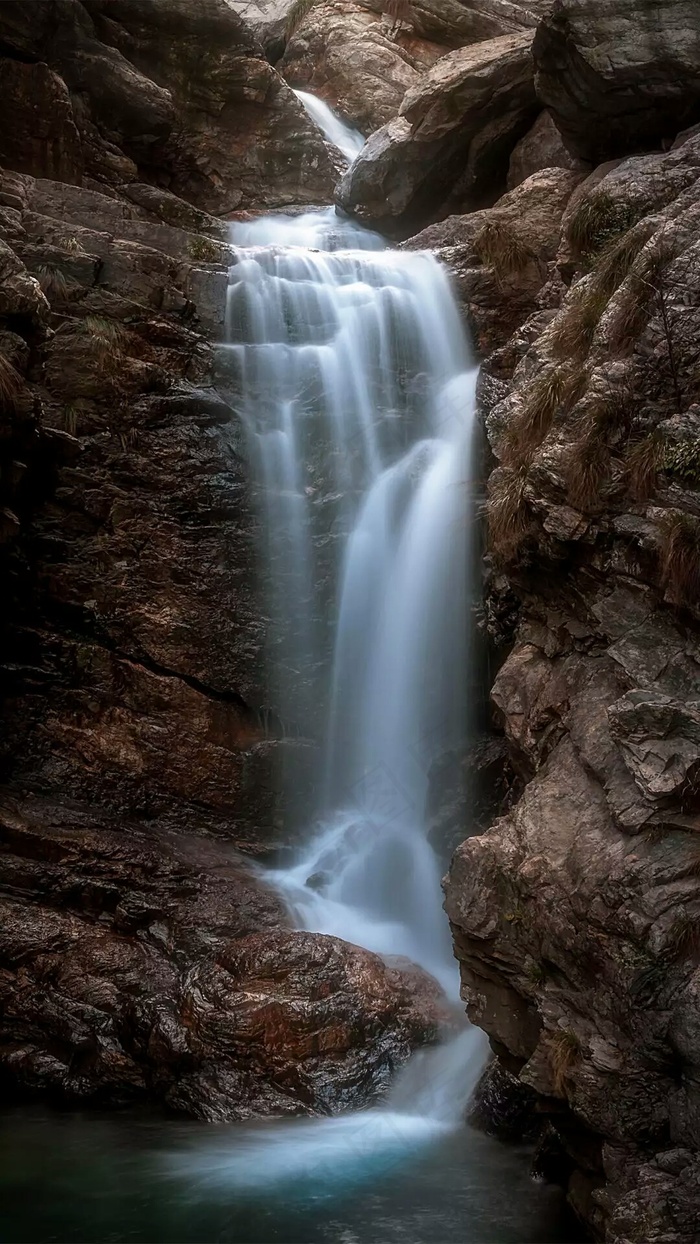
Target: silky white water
(357, 391)
(347, 140)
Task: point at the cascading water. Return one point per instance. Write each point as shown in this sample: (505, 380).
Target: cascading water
(358, 396)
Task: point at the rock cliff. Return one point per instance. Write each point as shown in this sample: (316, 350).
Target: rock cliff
(139, 753)
(576, 915)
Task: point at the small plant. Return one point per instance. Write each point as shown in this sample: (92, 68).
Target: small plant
(597, 221)
(295, 17)
(642, 465)
(588, 472)
(574, 330)
(54, 283)
(684, 938)
(516, 915)
(500, 247)
(11, 386)
(553, 389)
(564, 1050)
(680, 559)
(204, 250)
(72, 244)
(536, 973)
(508, 515)
(682, 459)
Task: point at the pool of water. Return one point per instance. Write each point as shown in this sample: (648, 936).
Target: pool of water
(103, 1179)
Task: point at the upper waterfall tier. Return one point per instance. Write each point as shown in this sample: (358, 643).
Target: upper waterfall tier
(355, 384)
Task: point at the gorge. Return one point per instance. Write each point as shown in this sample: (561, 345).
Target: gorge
(266, 674)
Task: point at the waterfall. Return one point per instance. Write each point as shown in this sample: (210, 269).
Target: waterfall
(357, 391)
(347, 140)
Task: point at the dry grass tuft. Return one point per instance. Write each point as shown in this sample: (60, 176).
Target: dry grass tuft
(55, 285)
(616, 261)
(588, 471)
(680, 559)
(598, 220)
(500, 246)
(573, 332)
(554, 389)
(11, 386)
(564, 1049)
(642, 465)
(508, 515)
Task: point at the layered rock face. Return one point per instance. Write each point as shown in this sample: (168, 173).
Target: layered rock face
(141, 965)
(363, 61)
(575, 916)
(168, 92)
(139, 957)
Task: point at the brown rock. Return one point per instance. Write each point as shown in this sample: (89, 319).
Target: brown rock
(39, 131)
(451, 140)
(154, 967)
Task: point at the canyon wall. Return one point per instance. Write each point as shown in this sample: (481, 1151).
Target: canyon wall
(138, 748)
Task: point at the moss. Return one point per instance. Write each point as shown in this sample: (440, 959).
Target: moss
(204, 250)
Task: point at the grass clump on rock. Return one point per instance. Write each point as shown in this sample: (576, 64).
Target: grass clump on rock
(574, 330)
(597, 221)
(555, 388)
(564, 1049)
(680, 559)
(508, 514)
(499, 246)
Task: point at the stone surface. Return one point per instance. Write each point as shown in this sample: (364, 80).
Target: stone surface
(450, 144)
(542, 147)
(169, 92)
(619, 76)
(575, 915)
(501, 257)
(348, 56)
(146, 966)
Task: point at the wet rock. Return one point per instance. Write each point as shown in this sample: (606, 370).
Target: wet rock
(347, 56)
(575, 913)
(450, 143)
(503, 1106)
(145, 966)
(619, 75)
(500, 258)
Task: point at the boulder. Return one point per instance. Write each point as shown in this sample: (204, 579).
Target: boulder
(500, 257)
(619, 76)
(346, 55)
(455, 25)
(451, 141)
(151, 967)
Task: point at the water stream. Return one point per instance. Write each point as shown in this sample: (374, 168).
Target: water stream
(357, 391)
